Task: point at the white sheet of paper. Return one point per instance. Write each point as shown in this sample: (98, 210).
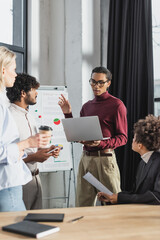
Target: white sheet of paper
(92, 180)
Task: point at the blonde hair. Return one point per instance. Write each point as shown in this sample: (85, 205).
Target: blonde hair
(6, 56)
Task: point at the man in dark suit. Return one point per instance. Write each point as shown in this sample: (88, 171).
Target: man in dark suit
(146, 142)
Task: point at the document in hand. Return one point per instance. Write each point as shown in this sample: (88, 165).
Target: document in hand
(45, 217)
(92, 180)
(31, 229)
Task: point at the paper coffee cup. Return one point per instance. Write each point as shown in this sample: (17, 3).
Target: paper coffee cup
(43, 129)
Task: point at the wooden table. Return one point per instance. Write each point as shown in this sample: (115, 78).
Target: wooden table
(103, 222)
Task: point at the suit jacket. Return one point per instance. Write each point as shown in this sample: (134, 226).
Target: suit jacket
(147, 185)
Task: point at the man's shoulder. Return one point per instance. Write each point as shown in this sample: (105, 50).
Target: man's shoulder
(118, 103)
(156, 156)
(13, 110)
(155, 161)
(11, 107)
(115, 99)
(88, 102)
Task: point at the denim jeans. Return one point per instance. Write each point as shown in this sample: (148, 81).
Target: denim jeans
(11, 199)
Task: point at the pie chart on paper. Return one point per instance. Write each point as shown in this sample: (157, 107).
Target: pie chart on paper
(56, 121)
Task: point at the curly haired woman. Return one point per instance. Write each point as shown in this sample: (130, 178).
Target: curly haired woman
(146, 142)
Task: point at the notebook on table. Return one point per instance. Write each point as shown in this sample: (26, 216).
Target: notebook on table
(82, 129)
(31, 229)
(44, 217)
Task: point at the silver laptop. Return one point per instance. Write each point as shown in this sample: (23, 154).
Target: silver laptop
(82, 129)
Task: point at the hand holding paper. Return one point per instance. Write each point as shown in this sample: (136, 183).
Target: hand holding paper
(105, 194)
(92, 180)
(107, 198)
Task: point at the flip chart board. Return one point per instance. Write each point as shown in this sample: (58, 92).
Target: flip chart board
(47, 112)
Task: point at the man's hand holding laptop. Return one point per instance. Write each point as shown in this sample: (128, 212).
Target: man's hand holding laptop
(91, 143)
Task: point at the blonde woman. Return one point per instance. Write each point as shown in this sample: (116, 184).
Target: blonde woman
(13, 171)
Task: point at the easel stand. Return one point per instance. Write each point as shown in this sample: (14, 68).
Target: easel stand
(71, 173)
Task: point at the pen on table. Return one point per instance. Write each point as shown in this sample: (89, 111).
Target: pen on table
(75, 219)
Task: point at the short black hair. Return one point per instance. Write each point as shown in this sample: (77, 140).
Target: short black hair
(147, 132)
(102, 70)
(24, 82)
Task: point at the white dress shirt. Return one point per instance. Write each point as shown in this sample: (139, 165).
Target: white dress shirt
(27, 127)
(147, 156)
(13, 172)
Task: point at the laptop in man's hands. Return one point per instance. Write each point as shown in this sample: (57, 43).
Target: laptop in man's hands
(82, 129)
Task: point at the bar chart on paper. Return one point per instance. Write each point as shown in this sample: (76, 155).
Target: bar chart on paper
(48, 112)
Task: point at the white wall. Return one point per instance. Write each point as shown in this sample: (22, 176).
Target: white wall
(63, 47)
(33, 53)
(90, 43)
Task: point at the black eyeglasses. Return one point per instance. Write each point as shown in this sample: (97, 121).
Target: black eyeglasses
(100, 83)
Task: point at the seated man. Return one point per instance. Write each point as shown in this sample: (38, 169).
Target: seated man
(146, 142)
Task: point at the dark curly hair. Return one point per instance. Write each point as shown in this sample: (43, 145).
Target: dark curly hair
(102, 70)
(147, 132)
(24, 82)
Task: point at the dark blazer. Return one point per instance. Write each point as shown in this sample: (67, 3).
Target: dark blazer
(147, 185)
